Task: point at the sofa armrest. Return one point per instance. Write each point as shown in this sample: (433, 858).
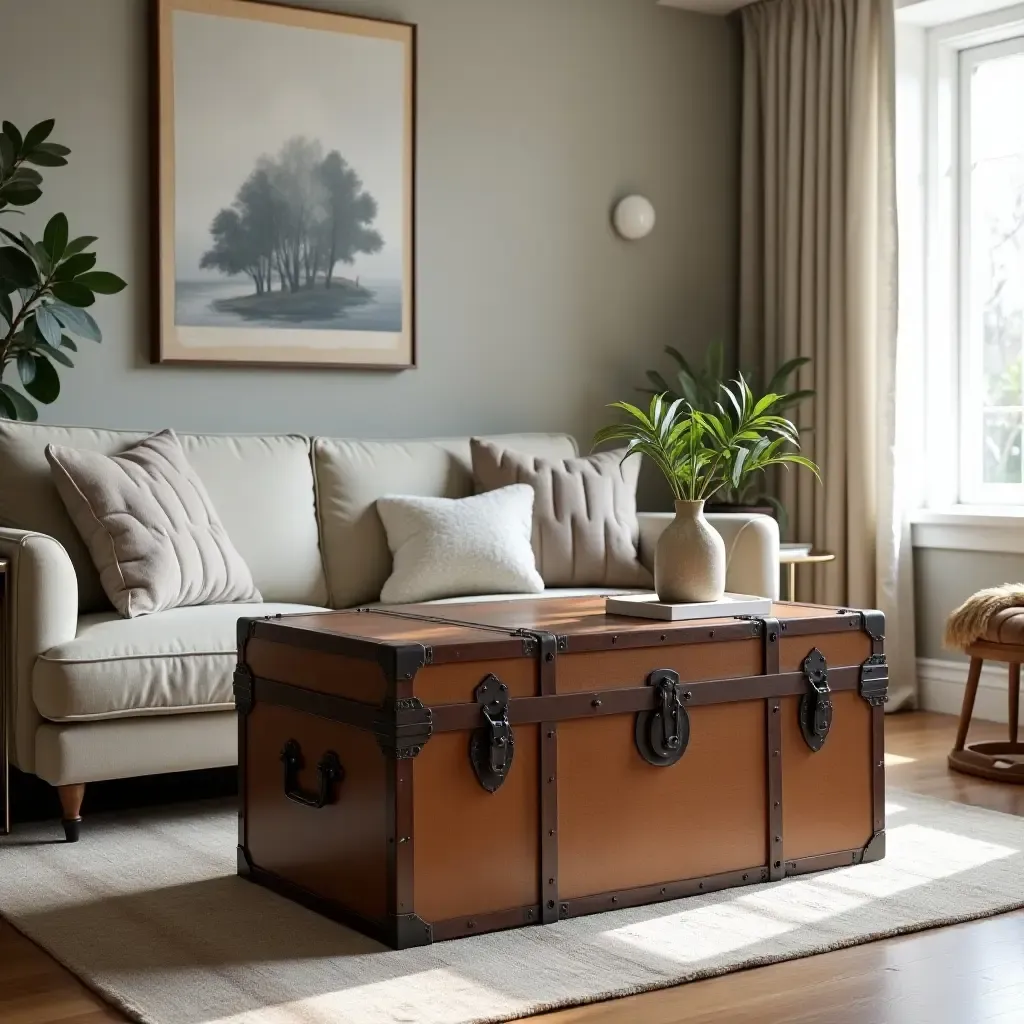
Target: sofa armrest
(42, 611)
(751, 549)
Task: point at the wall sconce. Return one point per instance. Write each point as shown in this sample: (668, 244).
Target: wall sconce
(633, 217)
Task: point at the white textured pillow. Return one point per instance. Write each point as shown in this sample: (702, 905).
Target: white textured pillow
(454, 547)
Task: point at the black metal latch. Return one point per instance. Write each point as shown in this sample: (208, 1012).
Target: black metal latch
(662, 734)
(816, 704)
(491, 747)
(874, 680)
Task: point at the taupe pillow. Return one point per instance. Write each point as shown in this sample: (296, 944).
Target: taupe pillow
(585, 529)
(150, 527)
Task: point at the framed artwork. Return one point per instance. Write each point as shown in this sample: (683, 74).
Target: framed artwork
(285, 185)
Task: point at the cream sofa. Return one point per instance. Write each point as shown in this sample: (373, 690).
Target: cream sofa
(93, 696)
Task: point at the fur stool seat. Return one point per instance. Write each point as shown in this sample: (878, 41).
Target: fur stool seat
(989, 626)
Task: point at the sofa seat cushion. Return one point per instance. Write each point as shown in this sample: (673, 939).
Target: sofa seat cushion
(170, 662)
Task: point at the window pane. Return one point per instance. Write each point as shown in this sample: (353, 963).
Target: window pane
(1002, 443)
(993, 388)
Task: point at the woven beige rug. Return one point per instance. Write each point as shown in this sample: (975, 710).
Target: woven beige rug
(148, 912)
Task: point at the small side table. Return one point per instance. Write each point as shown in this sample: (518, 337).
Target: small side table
(5, 697)
(791, 559)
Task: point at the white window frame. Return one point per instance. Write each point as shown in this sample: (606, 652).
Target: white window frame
(945, 246)
(973, 489)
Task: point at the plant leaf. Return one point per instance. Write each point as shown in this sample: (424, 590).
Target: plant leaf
(55, 236)
(7, 154)
(75, 246)
(66, 342)
(13, 237)
(21, 193)
(55, 353)
(24, 173)
(785, 371)
(47, 325)
(77, 321)
(26, 367)
(75, 265)
(41, 158)
(38, 133)
(102, 281)
(6, 307)
(73, 293)
(17, 267)
(45, 386)
(23, 408)
(14, 135)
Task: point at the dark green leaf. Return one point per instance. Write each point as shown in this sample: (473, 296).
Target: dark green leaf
(785, 371)
(75, 265)
(66, 342)
(56, 354)
(13, 238)
(21, 193)
(77, 245)
(38, 133)
(41, 159)
(6, 408)
(53, 148)
(23, 408)
(102, 281)
(73, 293)
(13, 134)
(6, 306)
(77, 321)
(45, 386)
(55, 237)
(42, 258)
(26, 367)
(15, 266)
(7, 155)
(24, 173)
(49, 329)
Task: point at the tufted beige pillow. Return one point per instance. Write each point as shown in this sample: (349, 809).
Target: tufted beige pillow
(585, 529)
(150, 527)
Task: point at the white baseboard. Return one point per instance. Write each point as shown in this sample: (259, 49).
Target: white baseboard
(941, 688)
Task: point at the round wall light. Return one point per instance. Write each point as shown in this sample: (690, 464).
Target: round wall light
(633, 217)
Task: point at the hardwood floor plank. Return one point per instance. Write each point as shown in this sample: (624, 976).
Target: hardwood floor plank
(968, 974)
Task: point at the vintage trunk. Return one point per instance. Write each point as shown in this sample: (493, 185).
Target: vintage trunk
(429, 772)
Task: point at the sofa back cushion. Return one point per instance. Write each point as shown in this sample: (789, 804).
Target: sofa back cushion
(261, 487)
(351, 475)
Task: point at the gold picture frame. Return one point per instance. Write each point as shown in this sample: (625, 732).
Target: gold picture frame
(285, 187)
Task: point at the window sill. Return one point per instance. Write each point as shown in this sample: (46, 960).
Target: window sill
(970, 528)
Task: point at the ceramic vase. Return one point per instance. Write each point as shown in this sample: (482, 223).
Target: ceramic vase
(689, 561)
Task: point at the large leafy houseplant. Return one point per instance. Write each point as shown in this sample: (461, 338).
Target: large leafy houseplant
(45, 286)
(700, 385)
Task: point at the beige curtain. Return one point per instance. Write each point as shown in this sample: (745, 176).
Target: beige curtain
(818, 279)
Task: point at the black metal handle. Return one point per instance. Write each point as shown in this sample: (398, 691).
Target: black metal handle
(329, 773)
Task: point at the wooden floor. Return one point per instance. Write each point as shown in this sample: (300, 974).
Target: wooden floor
(968, 974)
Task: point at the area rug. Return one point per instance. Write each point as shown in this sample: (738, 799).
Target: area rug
(147, 911)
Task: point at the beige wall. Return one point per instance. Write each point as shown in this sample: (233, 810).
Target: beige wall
(943, 579)
(533, 116)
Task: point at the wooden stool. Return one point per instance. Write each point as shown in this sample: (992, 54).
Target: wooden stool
(1003, 762)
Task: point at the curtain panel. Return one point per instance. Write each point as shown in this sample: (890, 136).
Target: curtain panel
(818, 278)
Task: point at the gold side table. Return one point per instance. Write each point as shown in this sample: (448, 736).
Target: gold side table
(791, 559)
(5, 704)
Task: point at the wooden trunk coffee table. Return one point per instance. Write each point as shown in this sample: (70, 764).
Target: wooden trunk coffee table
(429, 772)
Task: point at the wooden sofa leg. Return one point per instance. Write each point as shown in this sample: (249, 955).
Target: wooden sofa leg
(71, 798)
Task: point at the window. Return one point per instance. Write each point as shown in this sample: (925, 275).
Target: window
(991, 273)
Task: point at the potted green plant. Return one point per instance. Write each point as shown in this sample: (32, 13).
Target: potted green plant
(699, 385)
(45, 286)
(700, 453)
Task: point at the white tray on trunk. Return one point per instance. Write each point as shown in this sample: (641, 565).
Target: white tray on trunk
(647, 606)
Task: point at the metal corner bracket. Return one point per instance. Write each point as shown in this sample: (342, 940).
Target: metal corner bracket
(874, 680)
(408, 931)
(244, 689)
(875, 849)
(403, 727)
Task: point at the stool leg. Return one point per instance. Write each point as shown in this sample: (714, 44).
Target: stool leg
(973, 676)
(1014, 701)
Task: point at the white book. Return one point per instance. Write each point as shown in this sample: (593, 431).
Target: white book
(647, 606)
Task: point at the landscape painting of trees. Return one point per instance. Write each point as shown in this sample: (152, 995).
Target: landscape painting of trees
(286, 189)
